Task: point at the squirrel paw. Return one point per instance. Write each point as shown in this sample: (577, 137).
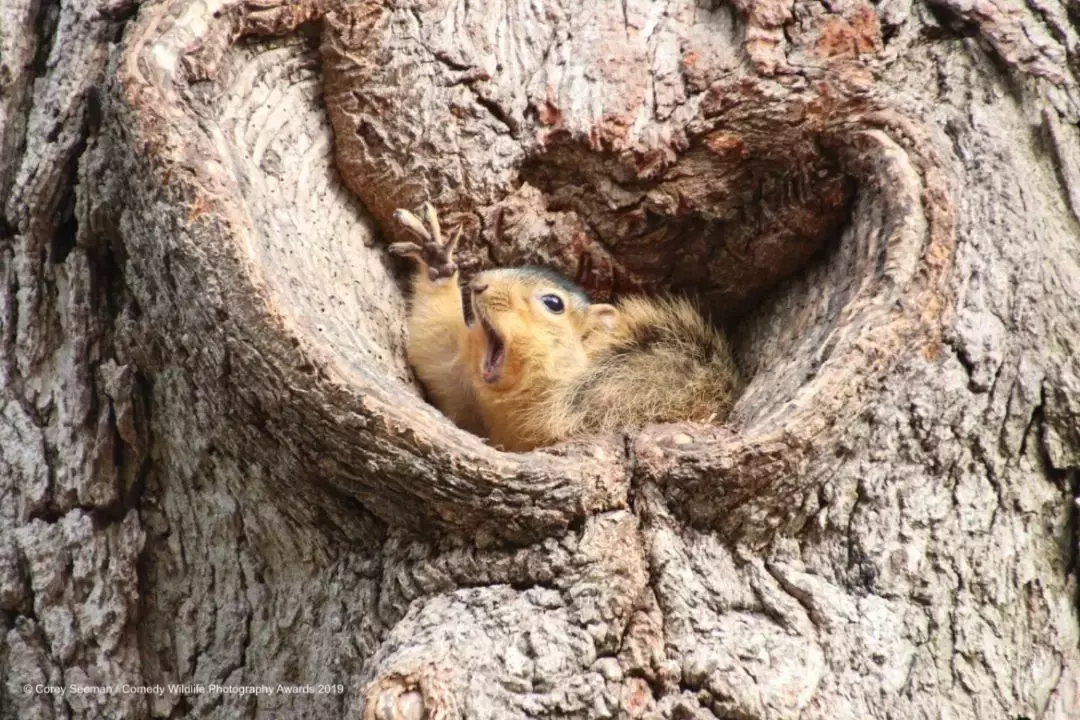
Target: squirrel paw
(436, 255)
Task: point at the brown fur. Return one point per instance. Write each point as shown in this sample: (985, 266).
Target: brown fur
(664, 363)
(591, 368)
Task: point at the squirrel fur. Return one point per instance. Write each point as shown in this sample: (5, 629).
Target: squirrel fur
(539, 363)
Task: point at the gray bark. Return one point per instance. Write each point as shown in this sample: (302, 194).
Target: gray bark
(215, 467)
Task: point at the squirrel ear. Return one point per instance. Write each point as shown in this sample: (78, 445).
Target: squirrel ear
(602, 317)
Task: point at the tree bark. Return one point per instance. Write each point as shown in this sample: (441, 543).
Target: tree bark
(217, 471)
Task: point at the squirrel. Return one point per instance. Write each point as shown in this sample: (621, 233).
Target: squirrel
(540, 363)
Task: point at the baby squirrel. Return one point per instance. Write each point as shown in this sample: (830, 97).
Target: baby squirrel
(540, 363)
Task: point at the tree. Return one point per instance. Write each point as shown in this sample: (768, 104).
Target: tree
(215, 468)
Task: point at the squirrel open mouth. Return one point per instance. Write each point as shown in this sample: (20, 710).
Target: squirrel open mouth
(493, 358)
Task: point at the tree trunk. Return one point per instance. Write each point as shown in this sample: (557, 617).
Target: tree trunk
(217, 471)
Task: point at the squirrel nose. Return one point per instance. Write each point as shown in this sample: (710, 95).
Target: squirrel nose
(479, 287)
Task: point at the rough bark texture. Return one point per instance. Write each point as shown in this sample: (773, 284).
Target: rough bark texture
(215, 467)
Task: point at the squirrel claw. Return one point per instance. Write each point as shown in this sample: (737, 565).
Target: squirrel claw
(432, 252)
(432, 219)
(405, 249)
(412, 224)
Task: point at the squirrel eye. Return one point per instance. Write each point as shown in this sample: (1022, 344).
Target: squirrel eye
(553, 303)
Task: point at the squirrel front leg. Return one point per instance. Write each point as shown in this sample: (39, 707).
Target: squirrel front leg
(437, 331)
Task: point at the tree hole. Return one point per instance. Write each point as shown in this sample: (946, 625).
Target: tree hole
(763, 213)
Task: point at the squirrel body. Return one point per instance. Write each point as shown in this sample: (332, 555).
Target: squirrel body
(539, 363)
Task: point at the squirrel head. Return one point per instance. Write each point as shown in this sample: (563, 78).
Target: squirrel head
(531, 326)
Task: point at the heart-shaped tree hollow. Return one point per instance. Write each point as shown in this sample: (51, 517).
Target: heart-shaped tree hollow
(813, 222)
